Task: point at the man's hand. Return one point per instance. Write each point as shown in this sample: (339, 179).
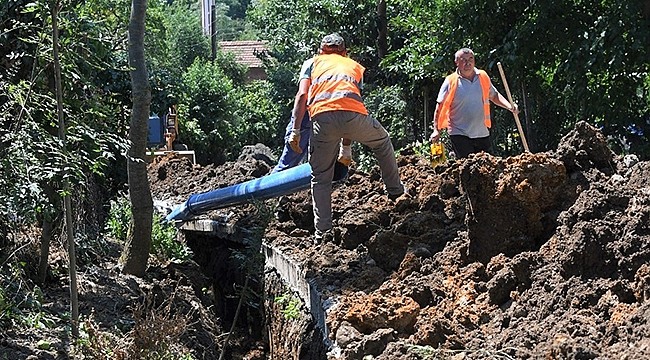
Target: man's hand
(435, 136)
(345, 155)
(514, 109)
(294, 141)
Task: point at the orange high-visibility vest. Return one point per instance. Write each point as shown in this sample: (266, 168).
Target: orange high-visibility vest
(335, 85)
(445, 106)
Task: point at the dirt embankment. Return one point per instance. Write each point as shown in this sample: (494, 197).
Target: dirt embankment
(540, 256)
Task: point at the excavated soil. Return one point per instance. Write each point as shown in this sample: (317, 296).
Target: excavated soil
(537, 256)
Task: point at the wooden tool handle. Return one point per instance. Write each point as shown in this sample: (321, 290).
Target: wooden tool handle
(505, 84)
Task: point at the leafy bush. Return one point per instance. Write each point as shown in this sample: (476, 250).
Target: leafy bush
(206, 107)
(290, 306)
(119, 218)
(258, 114)
(21, 301)
(220, 112)
(164, 242)
(386, 105)
(184, 37)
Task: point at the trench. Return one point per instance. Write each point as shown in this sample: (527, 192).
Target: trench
(288, 306)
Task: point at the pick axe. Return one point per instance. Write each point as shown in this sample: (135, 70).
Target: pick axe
(521, 131)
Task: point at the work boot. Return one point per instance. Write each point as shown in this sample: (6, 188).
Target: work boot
(395, 196)
(328, 236)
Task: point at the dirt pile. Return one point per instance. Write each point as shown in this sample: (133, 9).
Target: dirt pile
(536, 256)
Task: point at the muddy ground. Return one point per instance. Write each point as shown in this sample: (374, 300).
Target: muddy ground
(537, 256)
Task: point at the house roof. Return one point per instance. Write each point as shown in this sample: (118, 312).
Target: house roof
(245, 51)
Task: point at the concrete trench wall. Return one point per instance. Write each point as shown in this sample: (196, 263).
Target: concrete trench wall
(304, 337)
(296, 338)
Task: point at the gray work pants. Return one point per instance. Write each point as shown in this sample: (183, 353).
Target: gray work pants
(328, 129)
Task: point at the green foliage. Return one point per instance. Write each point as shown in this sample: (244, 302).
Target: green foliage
(363, 157)
(231, 24)
(119, 218)
(237, 8)
(184, 38)
(43, 344)
(587, 66)
(218, 111)
(296, 27)
(257, 113)
(221, 112)
(290, 306)
(206, 106)
(11, 277)
(294, 30)
(21, 301)
(387, 105)
(29, 157)
(505, 137)
(164, 243)
(33, 158)
(231, 69)
(300, 25)
(421, 149)
(416, 30)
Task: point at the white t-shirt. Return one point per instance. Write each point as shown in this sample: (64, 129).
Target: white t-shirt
(305, 70)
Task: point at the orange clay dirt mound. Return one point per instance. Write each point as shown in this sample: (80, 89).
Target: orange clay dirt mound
(537, 256)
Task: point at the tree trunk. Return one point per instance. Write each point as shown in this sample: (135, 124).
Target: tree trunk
(51, 220)
(46, 237)
(382, 29)
(136, 249)
(67, 204)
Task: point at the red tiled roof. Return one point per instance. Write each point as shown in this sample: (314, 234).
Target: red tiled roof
(245, 51)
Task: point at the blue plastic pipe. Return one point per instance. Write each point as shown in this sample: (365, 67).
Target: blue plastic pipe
(273, 185)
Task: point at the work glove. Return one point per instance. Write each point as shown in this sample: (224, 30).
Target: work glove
(294, 141)
(345, 155)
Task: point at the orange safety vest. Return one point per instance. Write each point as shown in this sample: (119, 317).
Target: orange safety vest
(335, 85)
(445, 106)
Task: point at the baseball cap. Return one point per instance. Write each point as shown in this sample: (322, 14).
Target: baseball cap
(333, 40)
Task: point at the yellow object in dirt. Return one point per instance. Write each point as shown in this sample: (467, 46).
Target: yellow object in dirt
(438, 155)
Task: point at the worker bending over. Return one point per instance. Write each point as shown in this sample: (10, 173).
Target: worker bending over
(332, 94)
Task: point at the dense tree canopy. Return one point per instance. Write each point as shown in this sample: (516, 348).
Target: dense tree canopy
(566, 61)
(32, 156)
